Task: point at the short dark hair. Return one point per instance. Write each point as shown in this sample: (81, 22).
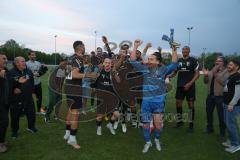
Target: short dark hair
(2, 54)
(158, 56)
(223, 59)
(31, 51)
(76, 44)
(139, 52)
(186, 47)
(236, 62)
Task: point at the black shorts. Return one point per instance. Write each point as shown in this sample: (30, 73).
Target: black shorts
(74, 102)
(189, 94)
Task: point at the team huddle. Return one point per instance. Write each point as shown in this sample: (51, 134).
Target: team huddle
(117, 83)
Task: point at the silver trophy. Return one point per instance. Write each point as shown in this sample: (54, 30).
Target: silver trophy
(170, 39)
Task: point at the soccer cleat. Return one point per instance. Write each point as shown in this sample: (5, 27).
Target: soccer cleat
(157, 143)
(233, 149)
(73, 142)
(140, 125)
(32, 130)
(84, 112)
(124, 128)
(110, 127)
(67, 135)
(226, 144)
(47, 120)
(99, 130)
(146, 147)
(115, 125)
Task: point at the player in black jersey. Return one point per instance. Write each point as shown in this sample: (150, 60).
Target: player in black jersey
(104, 83)
(188, 73)
(73, 82)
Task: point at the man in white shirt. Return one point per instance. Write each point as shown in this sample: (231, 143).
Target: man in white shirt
(35, 67)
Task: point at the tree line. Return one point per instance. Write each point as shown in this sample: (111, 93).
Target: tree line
(12, 49)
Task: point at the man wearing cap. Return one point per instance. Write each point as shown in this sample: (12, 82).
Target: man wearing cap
(188, 73)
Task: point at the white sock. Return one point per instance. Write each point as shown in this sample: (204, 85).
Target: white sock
(72, 138)
(67, 132)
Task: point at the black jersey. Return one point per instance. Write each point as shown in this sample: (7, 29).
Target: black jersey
(229, 89)
(186, 70)
(104, 81)
(75, 61)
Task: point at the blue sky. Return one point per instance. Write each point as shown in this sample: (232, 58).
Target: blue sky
(35, 22)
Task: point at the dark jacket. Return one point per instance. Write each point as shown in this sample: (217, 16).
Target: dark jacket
(26, 88)
(5, 88)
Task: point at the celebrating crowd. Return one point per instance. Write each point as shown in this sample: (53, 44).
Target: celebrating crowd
(116, 83)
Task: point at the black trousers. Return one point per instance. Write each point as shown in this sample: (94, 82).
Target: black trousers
(38, 93)
(16, 111)
(211, 103)
(3, 122)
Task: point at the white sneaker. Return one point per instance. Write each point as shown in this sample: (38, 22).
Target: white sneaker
(67, 134)
(140, 125)
(232, 149)
(129, 116)
(146, 147)
(99, 130)
(115, 126)
(226, 144)
(110, 127)
(157, 143)
(73, 142)
(124, 128)
(84, 112)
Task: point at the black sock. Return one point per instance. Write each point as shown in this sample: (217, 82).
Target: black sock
(112, 121)
(179, 114)
(99, 123)
(73, 132)
(68, 127)
(92, 101)
(191, 117)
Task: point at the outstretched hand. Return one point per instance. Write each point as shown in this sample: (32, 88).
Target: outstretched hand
(137, 43)
(104, 39)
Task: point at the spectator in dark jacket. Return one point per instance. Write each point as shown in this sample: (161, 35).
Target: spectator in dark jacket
(4, 101)
(23, 85)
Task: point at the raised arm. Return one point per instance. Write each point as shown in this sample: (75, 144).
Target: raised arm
(174, 54)
(105, 41)
(144, 54)
(137, 43)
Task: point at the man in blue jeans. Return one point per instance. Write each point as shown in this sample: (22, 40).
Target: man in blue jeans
(154, 92)
(232, 106)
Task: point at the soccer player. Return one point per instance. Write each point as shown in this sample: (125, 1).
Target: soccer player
(188, 73)
(232, 106)
(104, 82)
(154, 92)
(74, 101)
